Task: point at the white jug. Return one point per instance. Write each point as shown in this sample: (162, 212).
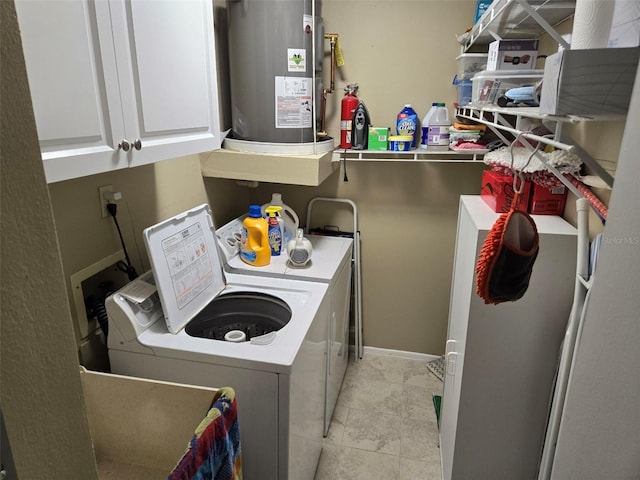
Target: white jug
(291, 222)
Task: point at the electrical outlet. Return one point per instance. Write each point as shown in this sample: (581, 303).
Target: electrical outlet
(103, 200)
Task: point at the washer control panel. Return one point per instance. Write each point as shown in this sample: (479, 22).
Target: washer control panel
(229, 238)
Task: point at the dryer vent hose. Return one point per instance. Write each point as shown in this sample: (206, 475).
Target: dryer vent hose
(96, 309)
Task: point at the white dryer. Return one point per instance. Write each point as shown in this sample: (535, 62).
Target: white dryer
(330, 264)
(170, 324)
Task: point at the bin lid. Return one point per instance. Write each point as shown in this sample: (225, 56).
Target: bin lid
(472, 55)
(186, 264)
(461, 82)
(510, 75)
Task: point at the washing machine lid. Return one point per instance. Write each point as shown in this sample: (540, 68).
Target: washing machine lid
(186, 264)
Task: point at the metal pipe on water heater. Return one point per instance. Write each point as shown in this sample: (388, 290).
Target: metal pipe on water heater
(333, 38)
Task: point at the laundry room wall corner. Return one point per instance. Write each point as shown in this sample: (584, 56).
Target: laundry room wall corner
(150, 193)
(42, 398)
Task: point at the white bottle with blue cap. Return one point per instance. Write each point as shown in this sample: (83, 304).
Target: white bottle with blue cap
(439, 125)
(425, 126)
(289, 216)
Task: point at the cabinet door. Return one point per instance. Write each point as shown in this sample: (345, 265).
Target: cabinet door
(166, 66)
(468, 239)
(72, 76)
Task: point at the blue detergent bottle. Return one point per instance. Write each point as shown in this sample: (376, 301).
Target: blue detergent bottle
(407, 123)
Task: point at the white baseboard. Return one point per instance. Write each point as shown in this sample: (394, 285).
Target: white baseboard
(425, 357)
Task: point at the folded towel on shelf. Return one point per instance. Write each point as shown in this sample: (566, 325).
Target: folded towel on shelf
(564, 161)
(473, 127)
(214, 452)
(456, 134)
(463, 144)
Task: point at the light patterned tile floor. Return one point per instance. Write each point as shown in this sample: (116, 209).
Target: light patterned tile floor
(384, 425)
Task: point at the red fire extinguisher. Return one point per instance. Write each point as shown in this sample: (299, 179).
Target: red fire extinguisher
(349, 104)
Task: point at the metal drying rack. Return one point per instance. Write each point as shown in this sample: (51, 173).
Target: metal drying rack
(355, 264)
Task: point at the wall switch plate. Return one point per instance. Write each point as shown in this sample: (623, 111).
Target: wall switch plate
(103, 201)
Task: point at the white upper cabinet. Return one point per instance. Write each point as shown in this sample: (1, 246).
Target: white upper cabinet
(167, 71)
(74, 86)
(120, 83)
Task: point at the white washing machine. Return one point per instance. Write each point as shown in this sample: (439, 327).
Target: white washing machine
(170, 324)
(330, 264)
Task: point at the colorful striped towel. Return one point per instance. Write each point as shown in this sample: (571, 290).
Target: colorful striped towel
(214, 451)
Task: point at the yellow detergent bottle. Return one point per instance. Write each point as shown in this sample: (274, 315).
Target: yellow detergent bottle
(254, 242)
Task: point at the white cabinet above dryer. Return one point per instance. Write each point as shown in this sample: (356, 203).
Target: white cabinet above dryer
(501, 359)
(120, 83)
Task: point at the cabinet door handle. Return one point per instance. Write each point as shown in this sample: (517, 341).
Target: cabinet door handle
(124, 145)
(450, 343)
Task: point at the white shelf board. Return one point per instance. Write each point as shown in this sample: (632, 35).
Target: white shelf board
(524, 112)
(508, 120)
(309, 170)
(515, 19)
(534, 112)
(416, 155)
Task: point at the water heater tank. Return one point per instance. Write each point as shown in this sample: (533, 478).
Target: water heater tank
(271, 65)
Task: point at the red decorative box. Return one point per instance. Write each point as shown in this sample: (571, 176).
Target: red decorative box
(546, 201)
(497, 191)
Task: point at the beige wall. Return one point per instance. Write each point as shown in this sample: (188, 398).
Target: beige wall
(41, 393)
(407, 210)
(398, 52)
(150, 193)
(407, 219)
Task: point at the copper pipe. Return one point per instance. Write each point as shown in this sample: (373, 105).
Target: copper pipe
(333, 38)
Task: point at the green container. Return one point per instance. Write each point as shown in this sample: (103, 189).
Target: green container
(378, 138)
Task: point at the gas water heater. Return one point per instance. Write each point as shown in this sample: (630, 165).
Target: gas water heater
(274, 73)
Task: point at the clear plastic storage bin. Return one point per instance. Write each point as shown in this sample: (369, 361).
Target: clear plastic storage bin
(471, 63)
(488, 86)
(465, 91)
